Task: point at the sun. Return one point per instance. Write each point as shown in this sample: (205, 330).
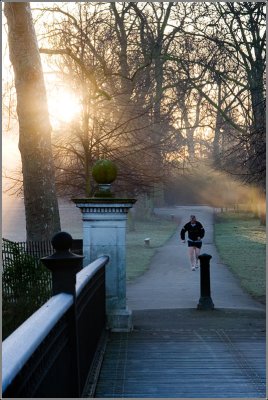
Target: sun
(63, 106)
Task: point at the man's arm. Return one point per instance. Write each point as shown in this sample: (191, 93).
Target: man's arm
(184, 229)
(202, 231)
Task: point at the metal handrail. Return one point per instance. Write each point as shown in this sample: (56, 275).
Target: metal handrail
(83, 276)
(18, 348)
(21, 344)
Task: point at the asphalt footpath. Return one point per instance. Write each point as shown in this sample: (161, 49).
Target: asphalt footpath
(169, 288)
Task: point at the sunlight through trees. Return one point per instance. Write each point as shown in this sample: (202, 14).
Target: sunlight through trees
(158, 88)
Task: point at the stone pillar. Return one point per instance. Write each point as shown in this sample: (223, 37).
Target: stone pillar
(104, 233)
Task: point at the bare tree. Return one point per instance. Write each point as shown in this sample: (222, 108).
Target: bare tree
(151, 77)
(114, 122)
(235, 35)
(41, 207)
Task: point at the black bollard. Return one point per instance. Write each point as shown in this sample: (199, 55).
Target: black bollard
(205, 301)
(63, 264)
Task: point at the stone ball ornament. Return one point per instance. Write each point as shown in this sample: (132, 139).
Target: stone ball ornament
(104, 172)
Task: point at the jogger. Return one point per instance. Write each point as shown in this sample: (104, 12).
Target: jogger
(195, 233)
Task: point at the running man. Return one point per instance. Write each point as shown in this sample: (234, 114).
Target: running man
(195, 233)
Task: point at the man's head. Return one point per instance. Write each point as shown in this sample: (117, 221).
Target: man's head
(193, 219)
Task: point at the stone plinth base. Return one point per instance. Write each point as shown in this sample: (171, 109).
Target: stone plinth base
(120, 321)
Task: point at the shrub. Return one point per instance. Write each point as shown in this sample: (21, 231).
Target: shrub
(26, 286)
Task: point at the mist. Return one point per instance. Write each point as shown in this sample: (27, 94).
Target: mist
(201, 185)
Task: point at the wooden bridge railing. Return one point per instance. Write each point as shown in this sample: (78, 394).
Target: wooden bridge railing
(51, 353)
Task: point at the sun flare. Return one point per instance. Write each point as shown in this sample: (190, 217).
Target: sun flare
(63, 106)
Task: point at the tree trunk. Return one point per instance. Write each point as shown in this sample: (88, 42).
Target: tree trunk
(41, 206)
(218, 127)
(258, 130)
(188, 129)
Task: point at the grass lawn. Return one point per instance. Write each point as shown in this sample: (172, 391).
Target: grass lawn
(138, 256)
(240, 240)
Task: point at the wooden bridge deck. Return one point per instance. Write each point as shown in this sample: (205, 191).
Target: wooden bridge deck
(206, 362)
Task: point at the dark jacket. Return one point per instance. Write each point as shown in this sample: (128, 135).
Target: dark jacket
(193, 231)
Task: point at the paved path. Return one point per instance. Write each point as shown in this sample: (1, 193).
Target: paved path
(170, 283)
(177, 351)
